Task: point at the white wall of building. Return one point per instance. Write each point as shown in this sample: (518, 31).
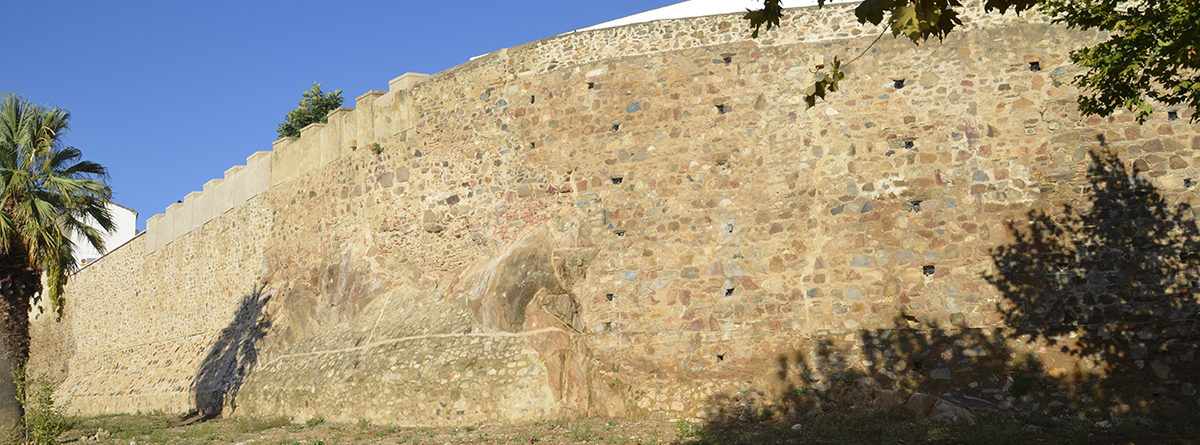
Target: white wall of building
(699, 8)
(125, 220)
(695, 8)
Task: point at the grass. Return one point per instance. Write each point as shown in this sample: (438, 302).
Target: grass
(162, 428)
(157, 428)
(685, 430)
(581, 433)
(893, 426)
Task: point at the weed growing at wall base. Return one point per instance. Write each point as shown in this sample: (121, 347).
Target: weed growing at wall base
(685, 430)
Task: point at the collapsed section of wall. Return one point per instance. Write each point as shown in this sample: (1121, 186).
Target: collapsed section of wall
(635, 220)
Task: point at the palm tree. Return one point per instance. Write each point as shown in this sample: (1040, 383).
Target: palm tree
(46, 194)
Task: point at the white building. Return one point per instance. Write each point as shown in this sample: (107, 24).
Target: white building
(695, 8)
(125, 220)
(698, 8)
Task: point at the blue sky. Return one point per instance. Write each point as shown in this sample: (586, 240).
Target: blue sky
(169, 94)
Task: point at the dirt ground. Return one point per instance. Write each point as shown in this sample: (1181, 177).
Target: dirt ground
(165, 429)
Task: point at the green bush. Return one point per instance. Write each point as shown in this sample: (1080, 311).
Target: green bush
(44, 421)
(314, 107)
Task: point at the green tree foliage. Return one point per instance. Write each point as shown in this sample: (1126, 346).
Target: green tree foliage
(46, 194)
(1152, 54)
(315, 106)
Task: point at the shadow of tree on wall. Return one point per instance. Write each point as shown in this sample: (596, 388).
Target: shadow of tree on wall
(232, 356)
(1101, 323)
(884, 378)
(1112, 285)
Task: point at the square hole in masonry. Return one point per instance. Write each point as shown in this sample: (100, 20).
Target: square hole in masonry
(898, 83)
(928, 270)
(1035, 66)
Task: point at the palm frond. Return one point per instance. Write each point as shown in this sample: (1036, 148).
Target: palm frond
(99, 213)
(71, 189)
(7, 230)
(47, 192)
(83, 168)
(63, 157)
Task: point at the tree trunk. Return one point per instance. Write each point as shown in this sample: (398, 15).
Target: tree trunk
(18, 284)
(10, 410)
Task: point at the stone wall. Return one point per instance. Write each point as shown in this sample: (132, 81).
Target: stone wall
(633, 221)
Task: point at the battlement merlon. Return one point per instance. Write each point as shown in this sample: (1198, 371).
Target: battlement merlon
(154, 232)
(195, 210)
(339, 115)
(370, 95)
(406, 81)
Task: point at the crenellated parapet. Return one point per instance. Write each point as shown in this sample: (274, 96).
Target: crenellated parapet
(378, 115)
(375, 116)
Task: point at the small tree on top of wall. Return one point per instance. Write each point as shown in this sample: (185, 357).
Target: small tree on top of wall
(314, 106)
